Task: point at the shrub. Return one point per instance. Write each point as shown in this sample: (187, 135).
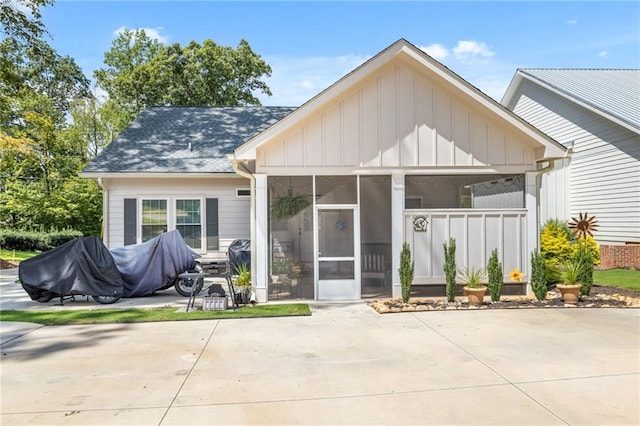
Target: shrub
(538, 275)
(495, 275)
(406, 271)
(555, 242)
(584, 255)
(35, 241)
(591, 248)
(450, 269)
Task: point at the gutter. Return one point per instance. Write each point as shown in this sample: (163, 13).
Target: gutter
(539, 173)
(241, 169)
(105, 212)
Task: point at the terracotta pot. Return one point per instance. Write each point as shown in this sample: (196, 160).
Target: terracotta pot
(475, 295)
(570, 293)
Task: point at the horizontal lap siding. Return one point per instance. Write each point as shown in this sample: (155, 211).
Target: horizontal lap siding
(604, 172)
(233, 212)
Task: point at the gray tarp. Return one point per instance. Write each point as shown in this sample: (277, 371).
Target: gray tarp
(82, 266)
(153, 265)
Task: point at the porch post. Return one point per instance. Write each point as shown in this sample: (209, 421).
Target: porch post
(397, 231)
(262, 238)
(531, 204)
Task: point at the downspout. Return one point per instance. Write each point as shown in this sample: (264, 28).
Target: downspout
(241, 169)
(539, 173)
(105, 212)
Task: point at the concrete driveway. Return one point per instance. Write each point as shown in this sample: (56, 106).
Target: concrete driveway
(345, 364)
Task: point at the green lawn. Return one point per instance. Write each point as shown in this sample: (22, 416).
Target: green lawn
(623, 278)
(105, 316)
(16, 256)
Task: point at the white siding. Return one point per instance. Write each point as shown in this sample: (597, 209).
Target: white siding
(477, 233)
(604, 172)
(398, 117)
(233, 211)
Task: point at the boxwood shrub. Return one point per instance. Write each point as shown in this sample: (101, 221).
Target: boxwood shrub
(35, 241)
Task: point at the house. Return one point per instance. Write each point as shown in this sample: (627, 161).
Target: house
(596, 114)
(401, 149)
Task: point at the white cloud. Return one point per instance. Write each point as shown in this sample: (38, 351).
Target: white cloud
(470, 51)
(436, 51)
(602, 53)
(295, 80)
(572, 21)
(152, 33)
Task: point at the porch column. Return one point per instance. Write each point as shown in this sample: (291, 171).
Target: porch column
(531, 204)
(262, 238)
(397, 231)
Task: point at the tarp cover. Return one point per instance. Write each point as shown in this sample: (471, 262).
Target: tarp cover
(153, 265)
(239, 253)
(80, 266)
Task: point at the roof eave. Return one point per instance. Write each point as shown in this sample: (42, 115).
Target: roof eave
(156, 175)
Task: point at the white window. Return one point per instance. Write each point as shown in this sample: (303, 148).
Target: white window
(154, 218)
(189, 222)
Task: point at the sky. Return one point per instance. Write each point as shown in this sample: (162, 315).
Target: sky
(310, 45)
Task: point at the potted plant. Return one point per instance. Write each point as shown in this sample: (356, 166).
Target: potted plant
(281, 267)
(474, 289)
(569, 273)
(289, 204)
(243, 282)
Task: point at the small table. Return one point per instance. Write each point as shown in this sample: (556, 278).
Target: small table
(196, 279)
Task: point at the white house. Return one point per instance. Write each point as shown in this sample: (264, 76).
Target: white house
(596, 114)
(401, 149)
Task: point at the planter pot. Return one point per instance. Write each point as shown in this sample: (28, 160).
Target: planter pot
(475, 295)
(274, 279)
(570, 293)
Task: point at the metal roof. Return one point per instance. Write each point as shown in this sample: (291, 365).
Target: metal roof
(612, 92)
(183, 139)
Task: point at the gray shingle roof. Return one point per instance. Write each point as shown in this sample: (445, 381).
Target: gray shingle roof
(614, 92)
(157, 141)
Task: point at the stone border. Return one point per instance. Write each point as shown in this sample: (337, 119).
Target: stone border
(553, 300)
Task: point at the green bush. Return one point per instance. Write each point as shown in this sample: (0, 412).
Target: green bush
(538, 275)
(450, 270)
(495, 275)
(585, 256)
(35, 241)
(406, 271)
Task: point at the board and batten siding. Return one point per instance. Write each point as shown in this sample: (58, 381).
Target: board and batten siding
(477, 233)
(233, 211)
(398, 117)
(603, 174)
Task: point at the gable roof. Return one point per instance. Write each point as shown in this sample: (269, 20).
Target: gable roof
(406, 50)
(183, 140)
(612, 93)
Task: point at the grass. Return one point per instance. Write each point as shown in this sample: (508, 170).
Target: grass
(107, 316)
(622, 278)
(16, 256)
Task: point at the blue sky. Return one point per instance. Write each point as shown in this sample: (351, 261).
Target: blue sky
(310, 45)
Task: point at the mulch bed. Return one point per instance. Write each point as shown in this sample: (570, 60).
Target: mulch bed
(600, 297)
(4, 264)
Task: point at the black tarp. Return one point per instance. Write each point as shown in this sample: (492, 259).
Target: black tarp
(82, 266)
(153, 265)
(239, 253)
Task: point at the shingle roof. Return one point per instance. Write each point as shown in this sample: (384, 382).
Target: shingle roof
(183, 139)
(613, 92)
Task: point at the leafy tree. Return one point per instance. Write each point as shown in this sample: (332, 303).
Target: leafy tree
(21, 19)
(140, 71)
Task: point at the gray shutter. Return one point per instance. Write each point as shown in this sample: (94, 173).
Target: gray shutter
(130, 219)
(212, 224)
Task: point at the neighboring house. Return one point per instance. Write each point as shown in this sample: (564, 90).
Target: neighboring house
(401, 149)
(595, 113)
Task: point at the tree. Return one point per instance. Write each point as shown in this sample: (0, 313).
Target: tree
(140, 71)
(21, 19)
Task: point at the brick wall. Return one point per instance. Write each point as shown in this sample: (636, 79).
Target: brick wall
(627, 256)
